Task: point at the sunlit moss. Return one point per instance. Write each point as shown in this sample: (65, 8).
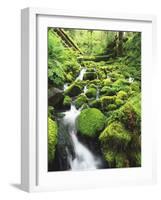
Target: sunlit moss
(52, 138)
(90, 122)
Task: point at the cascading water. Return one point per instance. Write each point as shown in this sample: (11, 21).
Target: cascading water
(97, 94)
(81, 74)
(65, 86)
(85, 89)
(131, 80)
(84, 159)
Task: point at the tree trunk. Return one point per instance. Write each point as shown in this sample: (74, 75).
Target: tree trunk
(120, 44)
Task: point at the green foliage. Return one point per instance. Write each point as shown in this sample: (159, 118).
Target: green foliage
(133, 49)
(90, 122)
(58, 60)
(52, 138)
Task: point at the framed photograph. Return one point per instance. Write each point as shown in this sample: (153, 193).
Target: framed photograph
(86, 99)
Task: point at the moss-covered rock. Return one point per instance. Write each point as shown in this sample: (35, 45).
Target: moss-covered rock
(119, 102)
(80, 100)
(106, 100)
(50, 111)
(129, 114)
(122, 95)
(115, 159)
(91, 92)
(90, 122)
(90, 76)
(67, 102)
(107, 82)
(52, 138)
(108, 90)
(95, 104)
(115, 135)
(135, 86)
(111, 107)
(73, 90)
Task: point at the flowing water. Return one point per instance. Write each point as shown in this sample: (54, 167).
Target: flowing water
(81, 74)
(83, 159)
(65, 86)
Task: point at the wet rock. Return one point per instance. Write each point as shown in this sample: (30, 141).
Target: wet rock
(55, 97)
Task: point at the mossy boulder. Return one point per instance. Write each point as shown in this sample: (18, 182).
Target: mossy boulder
(52, 139)
(119, 102)
(91, 92)
(111, 107)
(116, 160)
(122, 95)
(108, 90)
(55, 97)
(106, 100)
(115, 135)
(90, 122)
(102, 75)
(95, 104)
(135, 86)
(129, 114)
(80, 100)
(73, 90)
(107, 82)
(90, 76)
(67, 102)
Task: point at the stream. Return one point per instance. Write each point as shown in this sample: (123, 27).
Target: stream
(83, 158)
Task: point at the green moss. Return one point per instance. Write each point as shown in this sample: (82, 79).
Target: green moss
(110, 157)
(106, 100)
(52, 138)
(67, 101)
(108, 90)
(116, 160)
(135, 86)
(129, 114)
(116, 135)
(122, 95)
(80, 100)
(91, 92)
(95, 104)
(107, 82)
(111, 107)
(73, 90)
(119, 102)
(90, 122)
(50, 111)
(69, 77)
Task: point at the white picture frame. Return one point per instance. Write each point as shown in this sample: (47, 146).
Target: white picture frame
(34, 23)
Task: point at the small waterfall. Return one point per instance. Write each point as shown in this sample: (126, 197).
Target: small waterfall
(85, 89)
(65, 86)
(81, 74)
(84, 159)
(131, 80)
(97, 94)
